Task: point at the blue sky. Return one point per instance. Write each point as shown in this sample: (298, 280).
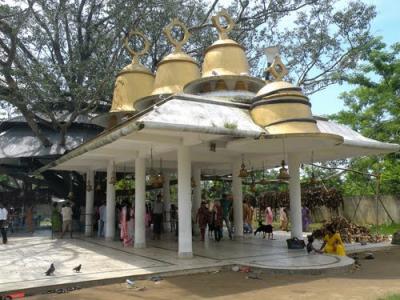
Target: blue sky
(387, 25)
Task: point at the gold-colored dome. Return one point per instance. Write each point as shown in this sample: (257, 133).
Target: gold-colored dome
(176, 69)
(134, 81)
(280, 107)
(225, 56)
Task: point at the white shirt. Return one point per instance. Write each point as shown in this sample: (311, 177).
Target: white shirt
(3, 214)
(66, 213)
(102, 213)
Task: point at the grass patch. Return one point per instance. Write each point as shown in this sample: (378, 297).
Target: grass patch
(391, 297)
(385, 229)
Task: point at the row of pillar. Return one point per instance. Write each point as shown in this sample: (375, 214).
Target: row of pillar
(185, 173)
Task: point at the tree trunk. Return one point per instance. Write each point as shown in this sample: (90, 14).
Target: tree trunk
(29, 117)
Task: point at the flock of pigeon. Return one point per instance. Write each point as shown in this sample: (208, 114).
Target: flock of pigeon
(51, 270)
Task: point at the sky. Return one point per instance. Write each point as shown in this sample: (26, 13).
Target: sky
(387, 25)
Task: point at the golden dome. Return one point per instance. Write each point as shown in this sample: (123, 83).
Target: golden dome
(176, 69)
(225, 56)
(134, 81)
(280, 107)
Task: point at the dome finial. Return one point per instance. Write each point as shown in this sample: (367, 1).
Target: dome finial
(136, 54)
(222, 30)
(277, 69)
(168, 32)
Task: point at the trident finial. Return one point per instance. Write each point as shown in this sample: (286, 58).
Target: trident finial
(168, 32)
(223, 31)
(277, 69)
(136, 54)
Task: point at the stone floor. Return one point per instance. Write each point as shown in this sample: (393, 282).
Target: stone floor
(25, 259)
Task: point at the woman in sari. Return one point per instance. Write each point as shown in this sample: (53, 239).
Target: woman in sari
(29, 219)
(305, 218)
(124, 219)
(283, 219)
(333, 243)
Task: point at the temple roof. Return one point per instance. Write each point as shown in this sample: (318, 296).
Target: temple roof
(198, 121)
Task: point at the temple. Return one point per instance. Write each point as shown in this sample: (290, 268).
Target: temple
(204, 121)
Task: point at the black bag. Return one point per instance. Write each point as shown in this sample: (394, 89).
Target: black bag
(295, 243)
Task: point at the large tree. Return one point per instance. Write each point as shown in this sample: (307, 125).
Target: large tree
(62, 55)
(373, 109)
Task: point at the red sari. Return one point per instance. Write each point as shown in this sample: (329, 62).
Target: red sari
(125, 232)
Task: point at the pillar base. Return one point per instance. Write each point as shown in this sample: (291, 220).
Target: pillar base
(185, 254)
(139, 245)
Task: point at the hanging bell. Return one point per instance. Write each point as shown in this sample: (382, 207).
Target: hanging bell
(253, 187)
(160, 180)
(193, 183)
(113, 180)
(70, 195)
(283, 172)
(313, 180)
(243, 172)
(89, 186)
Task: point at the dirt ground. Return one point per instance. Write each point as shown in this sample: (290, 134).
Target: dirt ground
(374, 279)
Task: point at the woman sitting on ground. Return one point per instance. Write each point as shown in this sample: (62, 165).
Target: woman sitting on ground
(333, 243)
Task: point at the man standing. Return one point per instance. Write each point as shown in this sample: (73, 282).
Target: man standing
(102, 219)
(3, 222)
(66, 213)
(158, 210)
(202, 218)
(226, 203)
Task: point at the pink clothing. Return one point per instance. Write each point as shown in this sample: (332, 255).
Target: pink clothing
(125, 236)
(269, 216)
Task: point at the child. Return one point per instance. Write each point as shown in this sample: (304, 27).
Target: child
(310, 247)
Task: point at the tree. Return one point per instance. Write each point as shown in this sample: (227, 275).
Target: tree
(373, 109)
(59, 57)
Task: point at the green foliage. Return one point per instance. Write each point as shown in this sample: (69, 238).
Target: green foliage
(64, 55)
(385, 229)
(373, 109)
(391, 297)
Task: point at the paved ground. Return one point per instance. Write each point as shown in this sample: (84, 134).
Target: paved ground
(25, 259)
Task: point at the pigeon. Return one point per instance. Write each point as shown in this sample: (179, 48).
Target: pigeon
(214, 73)
(51, 270)
(77, 269)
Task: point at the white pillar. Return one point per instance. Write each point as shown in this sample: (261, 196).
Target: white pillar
(184, 203)
(110, 204)
(295, 195)
(167, 200)
(237, 199)
(89, 204)
(196, 174)
(140, 202)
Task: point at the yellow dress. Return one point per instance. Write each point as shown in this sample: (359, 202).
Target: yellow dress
(334, 245)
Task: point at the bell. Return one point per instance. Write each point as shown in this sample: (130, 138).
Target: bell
(70, 195)
(193, 183)
(283, 172)
(225, 56)
(160, 180)
(89, 186)
(176, 69)
(113, 180)
(253, 187)
(243, 172)
(135, 81)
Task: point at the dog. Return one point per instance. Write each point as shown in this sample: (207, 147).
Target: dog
(211, 230)
(265, 229)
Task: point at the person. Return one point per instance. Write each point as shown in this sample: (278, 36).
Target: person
(269, 216)
(226, 203)
(173, 217)
(333, 243)
(202, 218)
(56, 221)
(66, 212)
(29, 219)
(147, 217)
(158, 210)
(102, 219)
(310, 247)
(125, 233)
(283, 219)
(305, 218)
(3, 222)
(247, 228)
(217, 221)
